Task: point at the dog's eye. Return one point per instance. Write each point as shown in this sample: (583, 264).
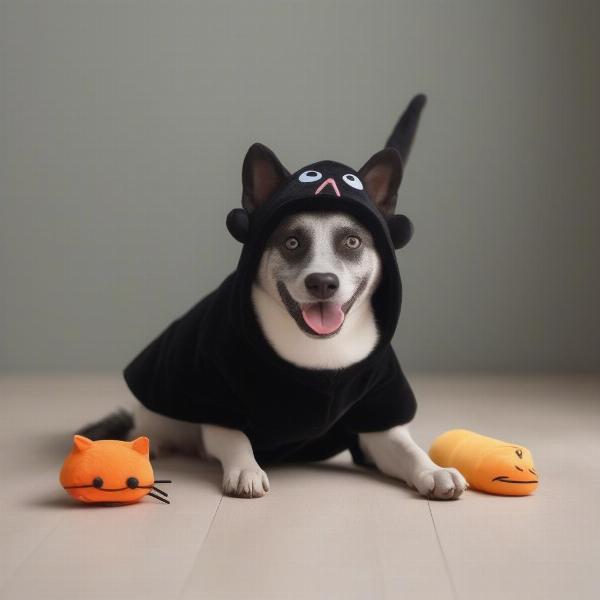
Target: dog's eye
(291, 243)
(309, 176)
(353, 181)
(352, 242)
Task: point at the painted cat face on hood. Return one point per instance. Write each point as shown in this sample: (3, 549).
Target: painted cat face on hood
(376, 183)
(265, 178)
(378, 180)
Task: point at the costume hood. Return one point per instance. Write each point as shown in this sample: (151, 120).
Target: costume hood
(320, 186)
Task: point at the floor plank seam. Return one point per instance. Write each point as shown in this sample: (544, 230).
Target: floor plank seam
(444, 558)
(208, 530)
(17, 568)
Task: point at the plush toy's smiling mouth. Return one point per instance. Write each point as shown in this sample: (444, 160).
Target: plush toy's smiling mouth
(99, 486)
(319, 319)
(505, 479)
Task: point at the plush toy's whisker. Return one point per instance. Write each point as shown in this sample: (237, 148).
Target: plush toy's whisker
(159, 498)
(162, 481)
(160, 492)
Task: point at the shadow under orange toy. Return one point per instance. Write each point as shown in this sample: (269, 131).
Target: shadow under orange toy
(489, 465)
(110, 471)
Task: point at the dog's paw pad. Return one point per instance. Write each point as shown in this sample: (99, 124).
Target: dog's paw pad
(245, 483)
(440, 483)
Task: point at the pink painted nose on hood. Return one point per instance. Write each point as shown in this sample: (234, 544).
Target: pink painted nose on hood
(332, 183)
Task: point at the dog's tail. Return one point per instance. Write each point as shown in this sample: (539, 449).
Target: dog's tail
(404, 133)
(115, 426)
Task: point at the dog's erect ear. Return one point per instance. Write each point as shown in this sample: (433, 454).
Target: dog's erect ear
(381, 176)
(262, 174)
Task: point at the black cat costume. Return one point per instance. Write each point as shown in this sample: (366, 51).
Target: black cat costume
(213, 365)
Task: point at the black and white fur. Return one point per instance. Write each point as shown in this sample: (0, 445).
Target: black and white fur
(393, 451)
(357, 273)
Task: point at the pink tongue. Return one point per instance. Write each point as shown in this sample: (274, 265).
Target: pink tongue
(323, 317)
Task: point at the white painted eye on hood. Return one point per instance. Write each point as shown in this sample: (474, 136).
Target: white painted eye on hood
(353, 181)
(309, 176)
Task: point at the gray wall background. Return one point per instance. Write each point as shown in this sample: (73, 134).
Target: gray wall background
(124, 125)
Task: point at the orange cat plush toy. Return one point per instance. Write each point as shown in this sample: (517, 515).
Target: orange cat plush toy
(110, 471)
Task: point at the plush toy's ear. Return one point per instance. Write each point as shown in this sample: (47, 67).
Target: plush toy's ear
(381, 176)
(401, 230)
(262, 174)
(81, 443)
(141, 445)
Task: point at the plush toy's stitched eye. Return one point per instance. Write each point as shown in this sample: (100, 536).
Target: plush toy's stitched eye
(309, 176)
(132, 482)
(519, 453)
(98, 483)
(353, 181)
(292, 243)
(352, 242)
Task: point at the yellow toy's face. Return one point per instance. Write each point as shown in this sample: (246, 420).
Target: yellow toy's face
(509, 470)
(108, 471)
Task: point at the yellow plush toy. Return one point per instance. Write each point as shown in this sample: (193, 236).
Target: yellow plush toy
(487, 464)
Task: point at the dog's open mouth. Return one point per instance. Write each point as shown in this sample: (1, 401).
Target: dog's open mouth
(320, 319)
(324, 318)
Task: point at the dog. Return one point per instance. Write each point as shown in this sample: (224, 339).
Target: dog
(319, 275)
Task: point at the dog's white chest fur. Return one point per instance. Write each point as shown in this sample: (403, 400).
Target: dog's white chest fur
(354, 342)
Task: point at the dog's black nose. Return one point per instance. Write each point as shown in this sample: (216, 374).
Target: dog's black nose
(322, 285)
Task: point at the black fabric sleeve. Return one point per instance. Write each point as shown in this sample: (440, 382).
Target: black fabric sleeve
(199, 396)
(389, 403)
(175, 377)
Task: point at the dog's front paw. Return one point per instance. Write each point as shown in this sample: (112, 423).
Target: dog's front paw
(245, 483)
(439, 483)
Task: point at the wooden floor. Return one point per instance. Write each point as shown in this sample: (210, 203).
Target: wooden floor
(327, 530)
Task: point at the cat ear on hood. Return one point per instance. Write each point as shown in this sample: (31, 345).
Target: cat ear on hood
(141, 445)
(262, 175)
(381, 176)
(81, 443)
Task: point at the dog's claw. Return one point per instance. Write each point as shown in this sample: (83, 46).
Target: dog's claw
(440, 483)
(246, 483)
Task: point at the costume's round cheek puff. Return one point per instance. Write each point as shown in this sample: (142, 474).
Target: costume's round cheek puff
(489, 465)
